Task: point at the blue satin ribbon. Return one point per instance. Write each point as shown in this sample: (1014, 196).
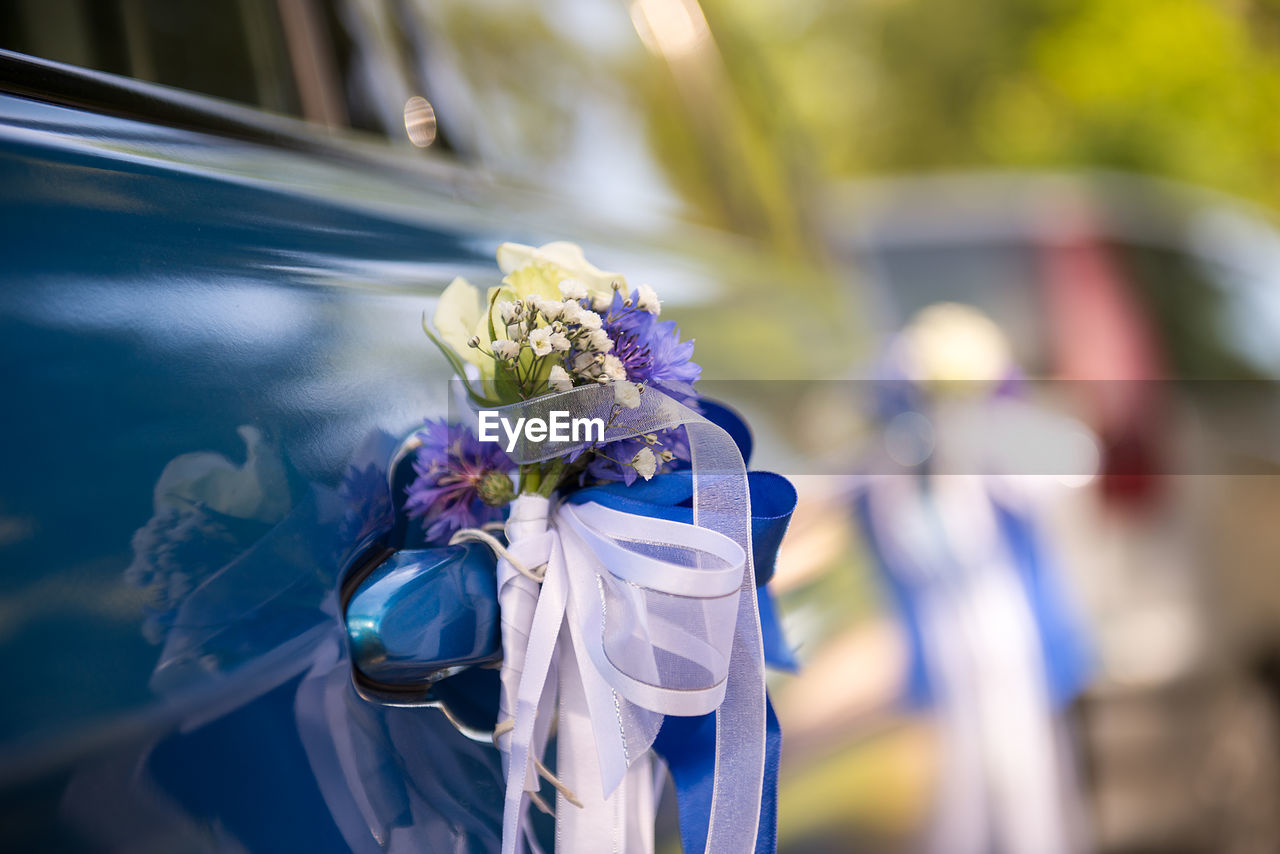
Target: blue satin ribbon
(687, 744)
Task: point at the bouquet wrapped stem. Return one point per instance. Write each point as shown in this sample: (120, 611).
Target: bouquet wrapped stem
(612, 619)
(517, 601)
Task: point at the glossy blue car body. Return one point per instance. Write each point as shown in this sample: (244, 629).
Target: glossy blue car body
(212, 353)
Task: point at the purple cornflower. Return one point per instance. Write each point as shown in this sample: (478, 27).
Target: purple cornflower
(452, 465)
(651, 350)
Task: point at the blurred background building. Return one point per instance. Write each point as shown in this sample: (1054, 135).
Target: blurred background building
(1097, 177)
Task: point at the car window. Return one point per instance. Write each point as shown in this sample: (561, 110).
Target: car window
(344, 64)
(235, 51)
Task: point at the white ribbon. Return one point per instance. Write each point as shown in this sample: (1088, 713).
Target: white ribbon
(636, 618)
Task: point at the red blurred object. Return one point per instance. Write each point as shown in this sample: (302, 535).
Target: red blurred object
(1103, 341)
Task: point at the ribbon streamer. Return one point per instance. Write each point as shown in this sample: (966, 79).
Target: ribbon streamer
(637, 618)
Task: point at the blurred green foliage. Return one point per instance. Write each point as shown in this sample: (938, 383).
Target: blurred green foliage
(1185, 89)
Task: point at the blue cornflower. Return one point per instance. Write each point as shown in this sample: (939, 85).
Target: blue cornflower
(454, 470)
(651, 350)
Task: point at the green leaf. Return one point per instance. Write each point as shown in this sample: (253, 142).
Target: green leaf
(459, 367)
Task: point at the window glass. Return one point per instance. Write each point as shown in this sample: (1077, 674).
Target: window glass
(235, 51)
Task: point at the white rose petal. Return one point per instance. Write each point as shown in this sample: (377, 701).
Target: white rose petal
(645, 462)
(456, 318)
(513, 256)
(540, 341)
(573, 289)
(648, 300)
(560, 379)
(626, 393)
(505, 349)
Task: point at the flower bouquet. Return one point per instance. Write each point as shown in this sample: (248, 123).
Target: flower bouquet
(628, 557)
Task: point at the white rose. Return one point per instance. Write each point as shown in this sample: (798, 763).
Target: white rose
(562, 255)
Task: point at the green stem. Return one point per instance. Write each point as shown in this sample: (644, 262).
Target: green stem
(530, 478)
(551, 477)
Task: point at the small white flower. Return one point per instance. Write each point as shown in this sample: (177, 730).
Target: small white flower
(551, 309)
(666, 456)
(613, 368)
(559, 342)
(602, 302)
(645, 463)
(648, 300)
(626, 394)
(589, 320)
(505, 349)
(560, 379)
(600, 341)
(507, 310)
(573, 289)
(570, 311)
(540, 341)
(582, 362)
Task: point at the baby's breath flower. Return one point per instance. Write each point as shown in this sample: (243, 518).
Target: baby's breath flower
(507, 310)
(613, 369)
(540, 341)
(559, 342)
(560, 379)
(573, 289)
(551, 309)
(626, 394)
(600, 341)
(647, 300)
(589, 320)
(506, 349)
(645, 462)
(601, 302)
(571, 311)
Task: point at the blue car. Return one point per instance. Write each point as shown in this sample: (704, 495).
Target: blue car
(210, 332)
